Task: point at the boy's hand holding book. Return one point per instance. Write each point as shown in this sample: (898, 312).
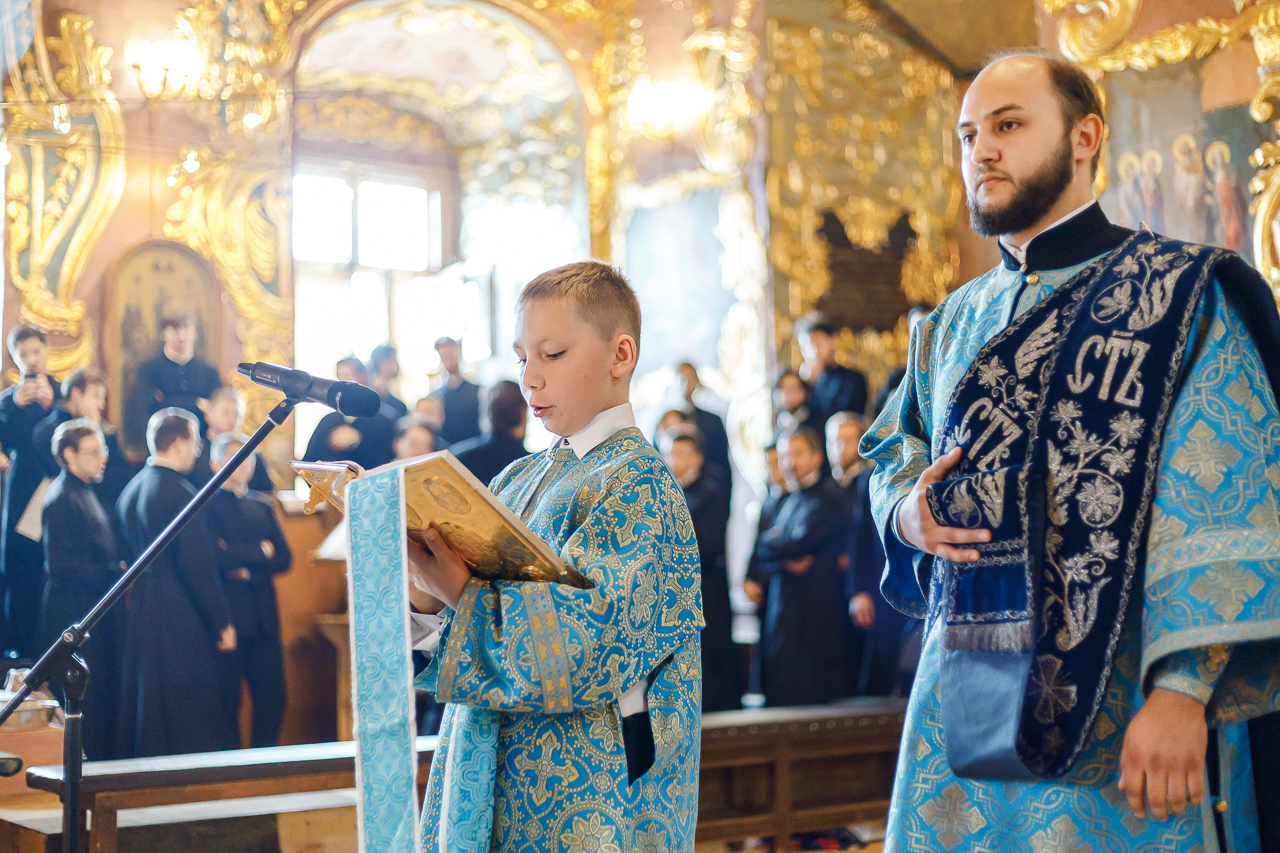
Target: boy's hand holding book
(437, 575)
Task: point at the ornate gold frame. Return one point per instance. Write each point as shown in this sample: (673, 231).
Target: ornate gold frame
(62, 187)
(1096, 41)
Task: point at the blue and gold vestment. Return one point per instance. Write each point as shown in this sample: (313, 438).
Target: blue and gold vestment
(531, 754)
(1206, 623)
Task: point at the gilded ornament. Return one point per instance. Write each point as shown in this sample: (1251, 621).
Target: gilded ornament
(1095, 28)
(62, 187)
(360, 118)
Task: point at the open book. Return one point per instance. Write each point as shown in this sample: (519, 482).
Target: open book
(440, 490)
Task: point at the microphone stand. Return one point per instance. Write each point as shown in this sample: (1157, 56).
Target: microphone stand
(61, 664)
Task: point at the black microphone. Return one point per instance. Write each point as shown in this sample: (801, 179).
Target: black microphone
(350, 398)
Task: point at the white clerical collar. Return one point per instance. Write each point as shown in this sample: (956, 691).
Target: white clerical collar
(1019, 253)
(601, 428)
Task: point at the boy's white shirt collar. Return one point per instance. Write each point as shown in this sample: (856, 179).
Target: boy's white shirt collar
(600, 429)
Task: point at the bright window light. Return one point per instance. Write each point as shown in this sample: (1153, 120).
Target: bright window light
(394, 223)
(321, 219)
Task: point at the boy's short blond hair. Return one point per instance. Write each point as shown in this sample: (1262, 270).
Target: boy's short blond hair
(599, 294)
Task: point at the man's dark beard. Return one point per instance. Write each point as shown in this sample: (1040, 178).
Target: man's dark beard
(1032, 197)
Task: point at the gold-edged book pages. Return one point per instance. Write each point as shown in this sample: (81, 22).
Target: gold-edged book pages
(440, 490)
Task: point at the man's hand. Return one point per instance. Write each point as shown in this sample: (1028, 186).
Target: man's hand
(227, 642)
(862, 610)
(1162, 761)
(435, 572)
(26, 393)
(754, 591)
(799, 565)
(4, 462)
(918, 528)
(268, 549)
(344, 437)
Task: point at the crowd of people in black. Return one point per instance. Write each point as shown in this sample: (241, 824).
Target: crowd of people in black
(167, 668)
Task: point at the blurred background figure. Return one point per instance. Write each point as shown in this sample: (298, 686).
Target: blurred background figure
(708, 501)
(791, 399)
(413, 438)
(179, 690)
(384, 368)
(430, 410)
(503, 442)
(459, 396)
(176, 376)
(715, 440)
(756, 583)
(833, 387)
(250, 550)
(81, 562)
(225, 416)
(364, 441)
(805, 661)
(22, 407)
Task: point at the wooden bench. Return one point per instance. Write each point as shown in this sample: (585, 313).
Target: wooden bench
(765, 773)
(110, 786)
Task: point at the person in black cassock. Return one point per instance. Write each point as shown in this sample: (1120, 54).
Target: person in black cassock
(805, 658)
(503, 443)
(22, 407)
(722, 686)
(791, 399)
(461, 398)
(715, 440)
(81, 562)
(225, 415)
(364, 441)
(251, 550)
(384, 367)
(176, 376)
(179, 690)
(756, 583)
(833, 387)
(84, 395)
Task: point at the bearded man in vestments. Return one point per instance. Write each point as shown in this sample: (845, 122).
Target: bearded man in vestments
(1078, 486)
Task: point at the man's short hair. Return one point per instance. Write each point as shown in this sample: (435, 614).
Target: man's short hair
(506, 406)
(355, 364)
(167, 426)
(599, 294)
(220, 450)
(408, 422)
(790, 372)
(381, 354)
(690, 435)
(227, 392)
(18, 334)
(81, 378)
(839, 419)
(1076, 92)
(818, 322)
(809, 437)
(447, 341)
(69, 435)
(177, 315)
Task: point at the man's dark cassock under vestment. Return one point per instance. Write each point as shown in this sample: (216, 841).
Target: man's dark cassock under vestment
(239, 526)
(162, 382)
(876, 669)
(1114, 395)
(377, 434)
(179, 693)
(805, 659)
(82, 561)
(722, 686)
(21, 558)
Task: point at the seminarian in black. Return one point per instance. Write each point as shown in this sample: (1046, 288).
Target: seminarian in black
(715, 439)
(487, 455)
(81, 562)
(805, 658)
(833, 387)
(722, 683)
(179, 690)
(756, 582)
(251, 550)
(225, 414)
(459, 397)
(22, 407)
(176, 376)
(84, 395)
(368, 442)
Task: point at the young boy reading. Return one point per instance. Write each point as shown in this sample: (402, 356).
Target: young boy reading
(573, 720)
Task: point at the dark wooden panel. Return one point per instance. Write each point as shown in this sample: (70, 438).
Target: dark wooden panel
(866, 286)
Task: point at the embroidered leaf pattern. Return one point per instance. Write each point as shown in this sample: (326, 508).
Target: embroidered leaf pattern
(1099, 501)
(990, 373)
(1036, 346)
